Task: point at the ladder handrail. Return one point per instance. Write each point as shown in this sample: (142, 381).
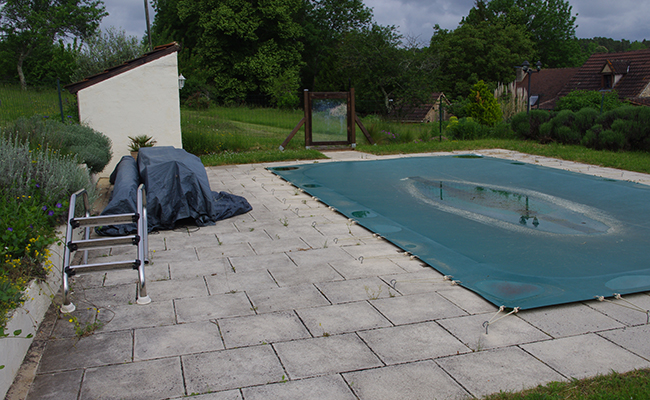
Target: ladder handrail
(142, 245)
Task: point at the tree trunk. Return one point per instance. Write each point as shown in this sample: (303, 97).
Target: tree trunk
(19, 67)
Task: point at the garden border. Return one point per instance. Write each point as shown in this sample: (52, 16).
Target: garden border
(28, 319)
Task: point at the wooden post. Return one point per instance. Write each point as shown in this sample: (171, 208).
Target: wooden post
(307, 106)
(351, 119)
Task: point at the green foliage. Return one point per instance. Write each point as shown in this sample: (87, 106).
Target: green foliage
(579, 99)
(245, 47)
(325, 23)
(527, 125)
(85, 144)
(140, 141)
(482, 105)
(30, 25)
(549, 23)
(34, 184)
(608, 45)
(104, 50)
(485, 51)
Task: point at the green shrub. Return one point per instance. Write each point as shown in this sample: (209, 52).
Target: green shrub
(85, 144)
(24, 169)
(585, 119)
(527, 125)
(35, 184)
(611, 140)
(579, 99)
(482, 106)
(466, 129)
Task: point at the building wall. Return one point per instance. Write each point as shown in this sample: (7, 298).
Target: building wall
(142, 101)
(646, 91)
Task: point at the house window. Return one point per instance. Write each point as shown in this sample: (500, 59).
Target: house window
(608, 81)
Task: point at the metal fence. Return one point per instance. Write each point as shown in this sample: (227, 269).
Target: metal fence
(48, 101)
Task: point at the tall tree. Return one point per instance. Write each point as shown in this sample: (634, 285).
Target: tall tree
(247, 46)
(107, 49)
(550, 24)
(29, 24)
(483, 50)
(326, 22)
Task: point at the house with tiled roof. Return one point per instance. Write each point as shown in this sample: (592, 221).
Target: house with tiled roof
(421, 113)
(545, 85)
(628, 73)
(138, 97)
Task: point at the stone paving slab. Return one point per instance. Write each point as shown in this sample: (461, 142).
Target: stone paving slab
(262, 329)
(139, 316)
(231, 369)
(212, 307)
(416, 308)
(197, 269)
(630, 310)
(287, 298)
(505, 332)
(56, 386)
(91, 351)
(176, 340)
(418, 380)
(509, 369)
(250, 281)
(585, 355)
(325, 355)
(373, 267)
(355, 290)
(331, 387)
(414, 342)
(634, 339)
(342, 318)
(577, 319)
(157, 379)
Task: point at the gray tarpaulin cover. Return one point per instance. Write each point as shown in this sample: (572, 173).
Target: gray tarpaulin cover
(177, 190)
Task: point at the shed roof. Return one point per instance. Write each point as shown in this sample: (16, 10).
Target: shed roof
(417, 113)
(156, 53)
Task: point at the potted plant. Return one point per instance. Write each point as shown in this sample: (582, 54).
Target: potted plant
(138, 142)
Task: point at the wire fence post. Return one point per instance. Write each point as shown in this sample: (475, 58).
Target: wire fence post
(58, 88)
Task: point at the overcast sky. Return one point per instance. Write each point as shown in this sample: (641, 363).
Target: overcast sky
(620, 19)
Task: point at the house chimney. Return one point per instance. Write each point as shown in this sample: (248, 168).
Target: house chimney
(520, 74)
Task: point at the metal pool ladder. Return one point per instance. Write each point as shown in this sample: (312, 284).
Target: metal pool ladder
(86, 222)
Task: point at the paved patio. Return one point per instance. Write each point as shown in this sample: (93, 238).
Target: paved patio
(292, 301)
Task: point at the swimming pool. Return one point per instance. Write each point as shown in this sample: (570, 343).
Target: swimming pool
(520, 235)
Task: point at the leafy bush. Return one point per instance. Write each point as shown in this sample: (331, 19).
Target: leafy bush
(579, 99)
(585, 119)
(34, 184)
(83, 143)
(482, 106)
(465, 129)
(527, 125)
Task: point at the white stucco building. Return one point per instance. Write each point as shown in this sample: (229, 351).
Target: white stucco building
(139, 97)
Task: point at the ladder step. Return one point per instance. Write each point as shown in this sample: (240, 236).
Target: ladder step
(130, 264)
(99, 220)
(100, 243)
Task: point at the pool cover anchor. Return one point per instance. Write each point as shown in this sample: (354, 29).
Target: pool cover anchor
(487, 324)
(631, 306)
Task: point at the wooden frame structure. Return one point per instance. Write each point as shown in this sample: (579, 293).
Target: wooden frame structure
(352, 120)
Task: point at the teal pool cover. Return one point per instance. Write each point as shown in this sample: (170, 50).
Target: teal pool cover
(520, 235)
